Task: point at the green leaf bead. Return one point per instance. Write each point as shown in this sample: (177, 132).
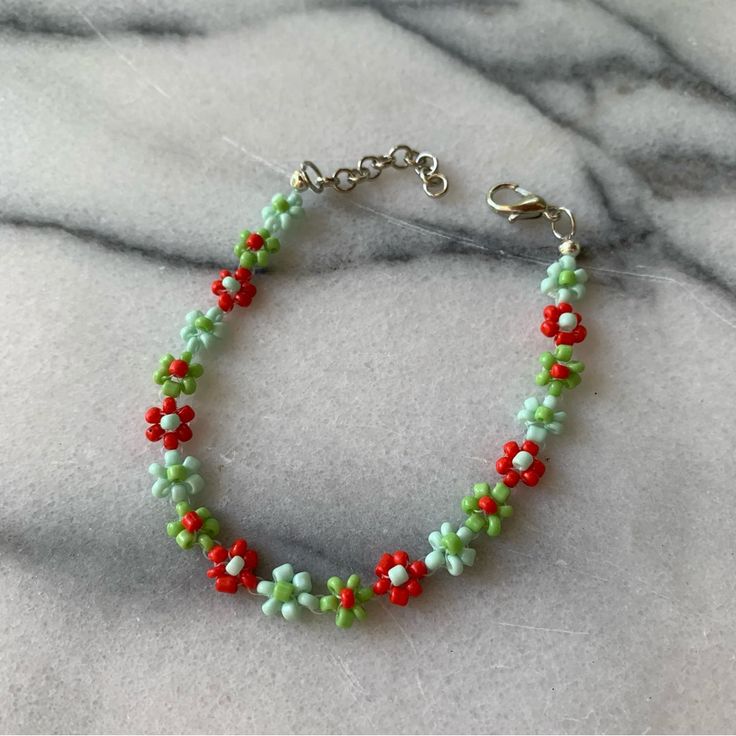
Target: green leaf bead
(563, 353)
(469, 504)
(185, 539)
(554, 388)
(452, 543)
(353, 582)
(547, 360)
(206, 542)
(188, 385)
(262, 258)
(494, 526)
(542, 379)
(543, 414)
(248, 259)
(505, 511)
(173, 528)
(475, 523)
(567, 278)
(344, 617)
(500, 493)
(481, 489)
(204, 323)
(335, 585)
(273, 245)
(328, 603)
(573, 380)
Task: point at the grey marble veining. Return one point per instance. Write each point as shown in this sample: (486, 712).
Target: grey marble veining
(380, 368)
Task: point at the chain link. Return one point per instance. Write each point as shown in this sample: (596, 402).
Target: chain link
(345, 179)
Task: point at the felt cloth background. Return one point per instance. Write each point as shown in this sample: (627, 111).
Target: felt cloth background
(380, 368)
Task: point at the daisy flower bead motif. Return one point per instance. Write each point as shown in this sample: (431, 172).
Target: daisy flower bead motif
(178, 375)
(233, 567)
(520, 464)
(283, 210)
(398, 578)
(202, 330)
(178, 478)
(193, 527)
(565, 282)
(254, 248)
(288, 593)
(346, 600)
(169, 423)
(233, 288)
(542, 418)
(450, 549)
(486, 508)
(562, 324)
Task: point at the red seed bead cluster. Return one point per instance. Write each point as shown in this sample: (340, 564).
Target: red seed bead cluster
(520, 463)
(398, 578)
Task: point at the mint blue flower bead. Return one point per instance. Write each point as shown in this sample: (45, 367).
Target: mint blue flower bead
(202, 330)
(288, 593)
(282, 211)
(450, 549)
(177, 478)
(542, 418)
(565, 282)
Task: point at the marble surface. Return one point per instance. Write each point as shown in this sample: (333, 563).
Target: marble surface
(380, 368)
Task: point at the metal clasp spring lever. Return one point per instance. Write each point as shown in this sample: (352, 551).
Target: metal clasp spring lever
(529, 207)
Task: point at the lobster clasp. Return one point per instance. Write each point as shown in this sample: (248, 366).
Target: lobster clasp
(527, 208)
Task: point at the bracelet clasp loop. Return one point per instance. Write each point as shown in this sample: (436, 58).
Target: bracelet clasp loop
(529, 207)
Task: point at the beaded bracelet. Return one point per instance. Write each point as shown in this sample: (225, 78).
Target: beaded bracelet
(399, 576)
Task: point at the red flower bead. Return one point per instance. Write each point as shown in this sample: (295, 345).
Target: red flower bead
(169, 423)
(570, 331)
(398, 578)
(237, 570)
(229, 293)
(516, 464)
(347, 597)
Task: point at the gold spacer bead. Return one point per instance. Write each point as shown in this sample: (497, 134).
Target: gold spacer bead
(570, 248)
(299, 181)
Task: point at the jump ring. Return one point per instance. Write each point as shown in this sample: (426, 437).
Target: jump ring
(435, 185)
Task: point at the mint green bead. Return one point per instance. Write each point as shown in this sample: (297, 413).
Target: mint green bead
(170, 422)
(536, 434)
(494, 526)
(500, 493)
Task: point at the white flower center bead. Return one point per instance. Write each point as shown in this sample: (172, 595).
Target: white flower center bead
(231, 285)
(522, 461)
(235, 565)
(170, 422)
(398, 575)
(568, 321)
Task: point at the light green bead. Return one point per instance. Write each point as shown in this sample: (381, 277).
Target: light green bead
(452, 543)
(547, 360)
(475, 523)
(544, 414)
(282, 591)
(481, 489)
(262, 258)
(344, 618)
(505, 511)
(328, 603)
(567, 278)
(185, 539)
(469, 504)
(500, 493)
(353, 582)
(494, 526)
(555, 388)
(335, 585)
(248, 259)
(176, 473)
(173, 528)
(171, 388)
(206, 542)
(563, 353)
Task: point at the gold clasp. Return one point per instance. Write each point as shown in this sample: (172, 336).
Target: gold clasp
(530, 206)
